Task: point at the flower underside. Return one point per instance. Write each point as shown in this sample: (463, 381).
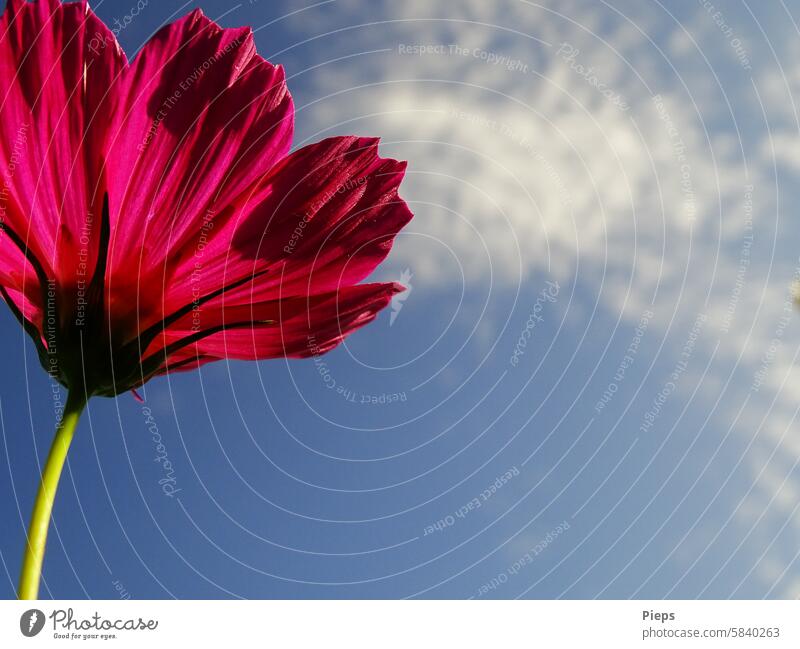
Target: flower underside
(214, 241)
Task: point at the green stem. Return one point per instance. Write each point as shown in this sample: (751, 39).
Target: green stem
(40, 517)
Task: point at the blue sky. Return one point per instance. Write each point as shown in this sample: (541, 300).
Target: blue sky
(604, 198)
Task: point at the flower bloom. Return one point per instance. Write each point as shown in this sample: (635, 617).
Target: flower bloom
(153, 218)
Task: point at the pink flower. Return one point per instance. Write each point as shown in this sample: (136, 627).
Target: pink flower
(153, 217)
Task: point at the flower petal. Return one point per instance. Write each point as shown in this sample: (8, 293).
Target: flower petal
(201, 118)
(57, 62)
(296, 327)
(323, 219)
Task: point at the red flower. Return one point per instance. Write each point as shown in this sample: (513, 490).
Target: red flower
(153, 218)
